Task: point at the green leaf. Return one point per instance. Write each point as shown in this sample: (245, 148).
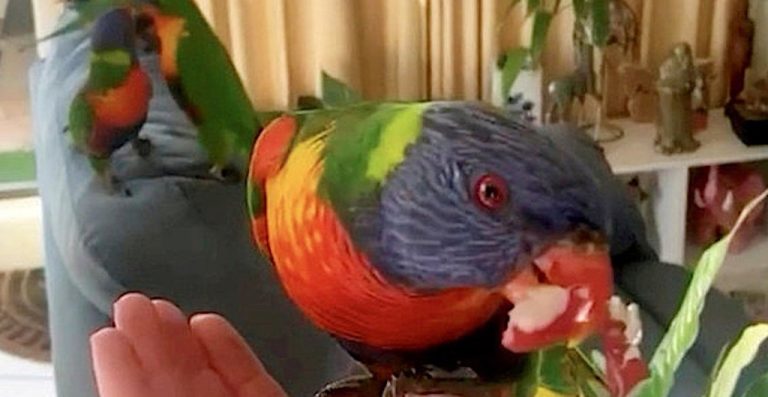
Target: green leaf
(514, 60)
(740, 354)
(541, 23)
(684, 329)
(546, 369)
(759, 388)
(336, 93)
(600, 22)
(580, 8)
(532, 6)
(588, 373)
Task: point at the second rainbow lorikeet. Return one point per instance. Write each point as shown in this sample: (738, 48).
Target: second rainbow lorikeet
(216, 102)
(112, 106)
(197, 69)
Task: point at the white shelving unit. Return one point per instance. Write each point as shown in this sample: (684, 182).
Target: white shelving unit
(635, 154)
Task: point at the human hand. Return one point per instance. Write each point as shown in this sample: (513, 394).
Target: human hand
(153, 351)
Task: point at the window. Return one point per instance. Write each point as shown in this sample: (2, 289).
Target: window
(24, 369)
(17, 166)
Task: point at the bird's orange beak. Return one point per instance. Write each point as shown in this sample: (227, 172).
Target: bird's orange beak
(561, 298)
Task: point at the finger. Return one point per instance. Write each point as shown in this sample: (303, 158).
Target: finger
(117, 369)
(136, 318)
(209, 384)
(185, 346)
(233, 359)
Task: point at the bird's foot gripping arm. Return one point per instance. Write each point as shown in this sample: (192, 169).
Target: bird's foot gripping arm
(353, 386)
(423, 384)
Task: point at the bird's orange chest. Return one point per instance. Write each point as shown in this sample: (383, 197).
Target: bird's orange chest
(335, 284)
(126, 104)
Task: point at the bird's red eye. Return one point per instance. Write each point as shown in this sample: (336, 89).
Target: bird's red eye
(491, 192)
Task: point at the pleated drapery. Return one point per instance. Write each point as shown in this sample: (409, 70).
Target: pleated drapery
(413, 49)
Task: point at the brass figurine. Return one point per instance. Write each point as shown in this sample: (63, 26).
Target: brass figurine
(757, 97)
(677, 81)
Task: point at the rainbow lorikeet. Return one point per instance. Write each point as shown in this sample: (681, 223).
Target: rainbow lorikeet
(112, 106)
(189, 53)
(433, 235)
(198, 71)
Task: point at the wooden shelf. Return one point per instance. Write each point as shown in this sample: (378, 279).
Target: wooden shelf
(635, 152)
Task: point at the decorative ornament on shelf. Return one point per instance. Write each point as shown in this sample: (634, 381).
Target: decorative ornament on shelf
(741, 35)
(677, 81)
(747, 107)
(622, 47)
(749, 114)
(701, 90)
(640, 88)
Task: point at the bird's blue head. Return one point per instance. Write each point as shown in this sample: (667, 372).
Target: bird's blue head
(477, 196)
(114, 30)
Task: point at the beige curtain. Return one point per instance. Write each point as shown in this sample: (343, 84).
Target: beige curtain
(438, 49)
(393, 49)
(409, 49)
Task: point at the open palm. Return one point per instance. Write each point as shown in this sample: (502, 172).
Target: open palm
(153, 351)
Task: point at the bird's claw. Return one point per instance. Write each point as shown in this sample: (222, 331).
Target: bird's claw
(353, 386)
(225, 174)
(426, 384)
(143, 147)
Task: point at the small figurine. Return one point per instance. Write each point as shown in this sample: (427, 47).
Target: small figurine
(577, 84)
(718, 194)
(562, 92)
(756, 97)
(700, 99)
(621, 48)
(749, 114)
(741, 31)
(624, 26)
(640, 88)
(677, 80)
(583, 81)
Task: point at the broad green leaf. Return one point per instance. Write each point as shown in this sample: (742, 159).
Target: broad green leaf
(684, 329)
(580, 8)
(740, 354)
(541, 22)
(532, 6)
(514, 60)
(759, 388)
(593, 388)
(336, 93)
(588, 372)
(546, 369)
(600, 22)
